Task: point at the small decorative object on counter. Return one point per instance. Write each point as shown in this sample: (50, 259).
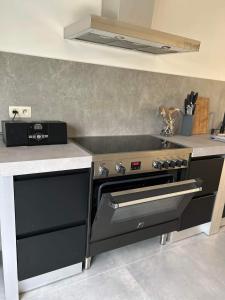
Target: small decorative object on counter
(169, 118)
(189, 110)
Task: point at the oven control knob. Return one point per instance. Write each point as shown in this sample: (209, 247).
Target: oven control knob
(157, 164)
(120, 169)
(103, 171)
(173, 164)
(166, 164)
(184, 162)
(178, 163)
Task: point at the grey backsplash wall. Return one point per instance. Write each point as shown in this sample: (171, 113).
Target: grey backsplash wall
(98, 100)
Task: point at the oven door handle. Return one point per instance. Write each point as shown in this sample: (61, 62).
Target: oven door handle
(155, 198)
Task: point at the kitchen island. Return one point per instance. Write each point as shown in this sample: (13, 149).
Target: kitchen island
(59, 160)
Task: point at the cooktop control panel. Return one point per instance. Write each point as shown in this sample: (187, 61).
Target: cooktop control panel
(146, 163)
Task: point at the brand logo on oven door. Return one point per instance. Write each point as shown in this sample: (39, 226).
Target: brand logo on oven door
(140, 225)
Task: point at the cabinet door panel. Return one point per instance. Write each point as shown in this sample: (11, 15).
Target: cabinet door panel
(199, 211)
(209, 170)
(51, 251)
(48, 202)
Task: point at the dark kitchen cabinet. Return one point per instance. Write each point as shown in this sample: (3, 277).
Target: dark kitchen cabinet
(51, 220)
(209, 170)
(50, 201)
(199, 210)
(48, 252)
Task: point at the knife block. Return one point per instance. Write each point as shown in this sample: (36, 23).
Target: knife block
(187, 125)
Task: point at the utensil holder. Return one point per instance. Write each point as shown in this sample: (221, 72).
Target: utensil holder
(187, 125)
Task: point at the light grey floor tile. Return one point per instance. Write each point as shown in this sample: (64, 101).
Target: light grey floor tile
(209, 255)
(115, 285)
(172, 275)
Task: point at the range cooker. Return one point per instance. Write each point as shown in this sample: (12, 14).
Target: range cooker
(139, 189)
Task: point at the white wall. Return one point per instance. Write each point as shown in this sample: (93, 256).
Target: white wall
(36, 27)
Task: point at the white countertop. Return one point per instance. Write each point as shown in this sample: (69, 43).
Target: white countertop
(202, 144)
(38, 159)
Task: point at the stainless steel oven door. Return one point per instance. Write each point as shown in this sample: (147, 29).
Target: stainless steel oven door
(129, 210)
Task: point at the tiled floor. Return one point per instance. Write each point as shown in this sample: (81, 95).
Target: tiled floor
(192, 269)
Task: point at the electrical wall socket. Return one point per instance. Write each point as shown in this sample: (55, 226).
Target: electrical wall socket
(23, 111)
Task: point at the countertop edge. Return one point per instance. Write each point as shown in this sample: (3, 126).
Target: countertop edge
(44, 165)
(202, 150)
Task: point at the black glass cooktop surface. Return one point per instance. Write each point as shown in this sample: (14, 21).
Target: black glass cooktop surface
(121, 144)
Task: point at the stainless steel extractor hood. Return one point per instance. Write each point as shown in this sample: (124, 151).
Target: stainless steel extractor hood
(126, 24)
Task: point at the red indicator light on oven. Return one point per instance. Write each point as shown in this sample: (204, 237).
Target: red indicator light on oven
(135, 165)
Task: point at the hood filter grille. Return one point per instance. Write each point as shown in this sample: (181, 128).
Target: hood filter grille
(122, 43)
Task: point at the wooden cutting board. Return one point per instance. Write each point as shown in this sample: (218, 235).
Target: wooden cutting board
(201, 116)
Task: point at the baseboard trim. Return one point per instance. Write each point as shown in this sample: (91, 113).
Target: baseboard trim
(50, 277)
(181, 235)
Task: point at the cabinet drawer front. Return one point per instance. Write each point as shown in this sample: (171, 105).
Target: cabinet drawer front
(199, 211)
(48, 252)
(209, 170)
(49, 202)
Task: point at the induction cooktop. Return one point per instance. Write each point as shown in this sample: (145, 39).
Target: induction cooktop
(122, 144)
